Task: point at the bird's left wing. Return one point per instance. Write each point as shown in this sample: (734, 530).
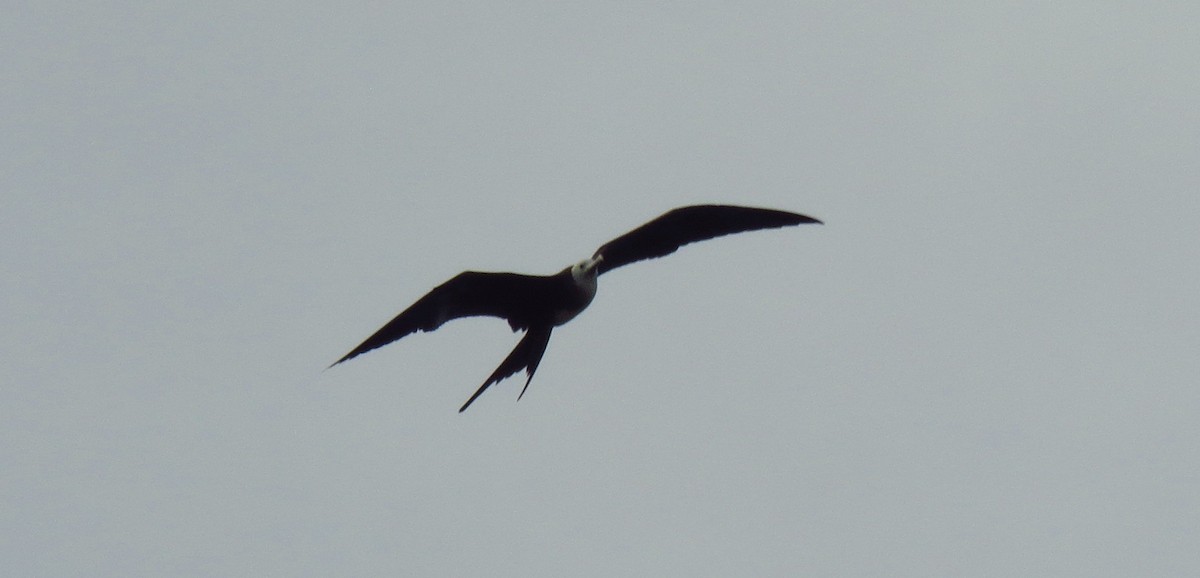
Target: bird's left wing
(506, 295)
(676, 228)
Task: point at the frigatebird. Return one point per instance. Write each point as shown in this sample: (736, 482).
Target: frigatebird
(539, 303)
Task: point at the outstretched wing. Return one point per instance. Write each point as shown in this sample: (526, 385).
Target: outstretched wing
(684, 225)
(526, 355)
(507, 295)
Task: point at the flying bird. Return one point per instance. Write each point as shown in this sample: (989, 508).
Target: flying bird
(537, 304)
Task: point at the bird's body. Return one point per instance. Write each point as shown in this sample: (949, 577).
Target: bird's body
(537, 303)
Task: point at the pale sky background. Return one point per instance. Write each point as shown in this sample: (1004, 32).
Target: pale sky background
(985, 364)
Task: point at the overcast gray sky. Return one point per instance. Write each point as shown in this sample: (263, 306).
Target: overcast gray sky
(985, 364)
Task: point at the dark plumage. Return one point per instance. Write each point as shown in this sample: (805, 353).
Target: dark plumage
(536, 303)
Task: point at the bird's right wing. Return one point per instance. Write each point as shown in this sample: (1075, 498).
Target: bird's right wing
(471, 293)
(684, 225)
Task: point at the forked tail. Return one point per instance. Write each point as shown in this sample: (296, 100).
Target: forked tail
(526, 355)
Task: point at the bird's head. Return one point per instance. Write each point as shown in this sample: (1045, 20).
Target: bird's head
(587, 268)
